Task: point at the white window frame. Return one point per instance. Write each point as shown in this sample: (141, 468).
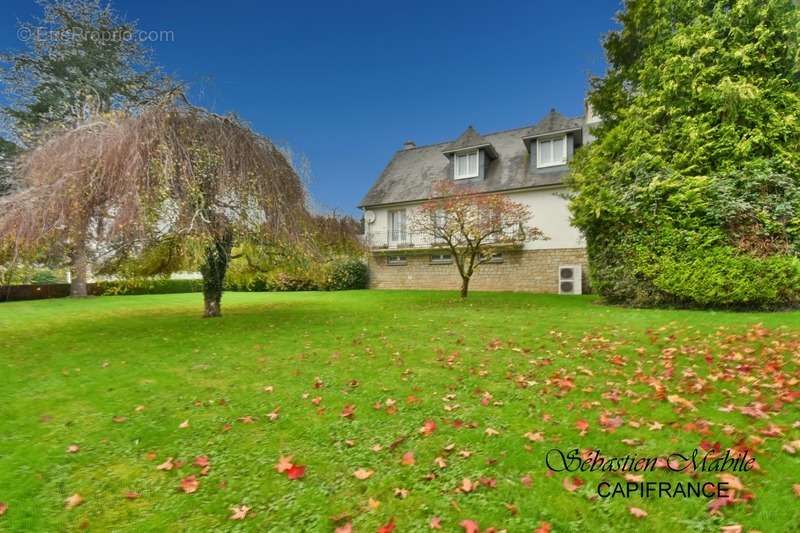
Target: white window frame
(402, 234)
(550, 140)
(467, 155)
(396, 260)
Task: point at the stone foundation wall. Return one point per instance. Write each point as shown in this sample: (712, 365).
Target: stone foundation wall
(526, 270)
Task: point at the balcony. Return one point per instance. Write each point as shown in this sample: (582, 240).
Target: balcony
(408, 241)
(403, 240)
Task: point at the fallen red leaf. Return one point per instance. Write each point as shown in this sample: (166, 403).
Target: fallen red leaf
(610, 423)
(544, 527)
(718, 503)
(130, 495)
(470, 526)
(3, 508)
(296, 472)
(387, 527)
(201, 461)
(572, 483)
(436, 522)
(408, 459)
(189, 484)
(428, 427)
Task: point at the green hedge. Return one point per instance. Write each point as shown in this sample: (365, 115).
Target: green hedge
(338, 275)
(150, 286)
(344, 274)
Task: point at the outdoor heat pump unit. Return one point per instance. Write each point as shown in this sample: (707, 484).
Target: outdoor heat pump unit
(569, 279)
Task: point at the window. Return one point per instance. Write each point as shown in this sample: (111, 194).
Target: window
(551, 151)
(441, 259)
(397, 226)
(439, 218)
(439, 226)
(395, 260)
(496, 258)
(466, 165)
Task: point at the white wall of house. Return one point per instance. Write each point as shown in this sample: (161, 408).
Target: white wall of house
(550, 214)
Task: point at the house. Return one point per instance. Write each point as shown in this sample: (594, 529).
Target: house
(529, 164)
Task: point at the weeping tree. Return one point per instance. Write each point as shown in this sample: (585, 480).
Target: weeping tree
(78, 61)
(173, 187)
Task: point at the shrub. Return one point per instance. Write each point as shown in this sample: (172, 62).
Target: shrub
(147, 286)
(722, 277)
(283, 282)
(690, 195)
(44, 276)
(346, 274)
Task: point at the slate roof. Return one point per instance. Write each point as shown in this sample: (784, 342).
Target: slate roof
(470, 139)
(411, 172)
(552, 122)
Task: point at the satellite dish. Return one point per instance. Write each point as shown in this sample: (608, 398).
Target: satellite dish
(369, 216)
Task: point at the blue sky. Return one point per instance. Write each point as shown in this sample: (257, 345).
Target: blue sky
(345, 83)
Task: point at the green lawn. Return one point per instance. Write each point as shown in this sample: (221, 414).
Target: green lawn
(117, 376)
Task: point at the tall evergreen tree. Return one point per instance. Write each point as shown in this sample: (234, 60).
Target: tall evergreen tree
(691, 194)
(81, 58)
(8, 153)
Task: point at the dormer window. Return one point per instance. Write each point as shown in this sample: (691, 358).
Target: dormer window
(551, 152)
(466, 165)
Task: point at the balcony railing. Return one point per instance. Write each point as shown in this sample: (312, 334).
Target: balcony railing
(398, 240)
(404, 240)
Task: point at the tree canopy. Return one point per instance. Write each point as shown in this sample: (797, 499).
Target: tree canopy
(173, 187)
(691, 193)
(8, 154)
(81, 58)
(472, 225)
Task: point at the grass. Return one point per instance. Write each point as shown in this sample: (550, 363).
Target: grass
(539, 363)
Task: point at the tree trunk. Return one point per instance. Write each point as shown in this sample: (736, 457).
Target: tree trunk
(464, 287)
(79, 265)
(213, 270)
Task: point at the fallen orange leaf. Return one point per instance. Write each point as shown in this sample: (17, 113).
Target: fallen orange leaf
(73, 501)
(189, 484)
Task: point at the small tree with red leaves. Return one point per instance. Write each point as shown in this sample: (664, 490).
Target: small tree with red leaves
(472, 225)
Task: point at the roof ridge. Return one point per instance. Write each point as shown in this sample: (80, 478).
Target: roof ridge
(529, 126)
(453, 140)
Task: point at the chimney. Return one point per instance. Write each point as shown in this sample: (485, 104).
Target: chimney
(408, 145)
(589, 115)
